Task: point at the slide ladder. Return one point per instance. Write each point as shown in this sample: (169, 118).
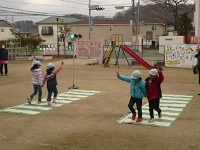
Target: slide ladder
(106, 59)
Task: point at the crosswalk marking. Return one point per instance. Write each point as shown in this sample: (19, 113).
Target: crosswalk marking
(171, 106)
(36, 108)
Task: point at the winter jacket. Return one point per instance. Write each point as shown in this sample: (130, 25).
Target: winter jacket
(3, 54)
(137, 89)
(37, 77)
(51, 78)
(153, 87)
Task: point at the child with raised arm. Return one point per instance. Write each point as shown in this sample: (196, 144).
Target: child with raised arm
(137, 92)
(154, 93)
(50, 77)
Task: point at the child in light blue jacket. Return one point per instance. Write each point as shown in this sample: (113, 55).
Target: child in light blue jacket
(137, 92)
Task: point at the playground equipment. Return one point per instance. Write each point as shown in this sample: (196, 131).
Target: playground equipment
(136, 57)
(116, 41)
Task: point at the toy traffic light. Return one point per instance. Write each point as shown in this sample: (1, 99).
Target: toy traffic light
(70, 46)
(100, 8)
(74, 36)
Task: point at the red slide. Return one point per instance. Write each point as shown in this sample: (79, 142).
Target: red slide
(136, 57)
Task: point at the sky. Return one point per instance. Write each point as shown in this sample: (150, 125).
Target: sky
(13, 10)
(16, 10)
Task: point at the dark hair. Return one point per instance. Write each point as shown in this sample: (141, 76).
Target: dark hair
(49, 71)
(34, 67)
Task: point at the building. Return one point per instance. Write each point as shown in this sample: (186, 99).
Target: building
(7, 30)
(100, 29)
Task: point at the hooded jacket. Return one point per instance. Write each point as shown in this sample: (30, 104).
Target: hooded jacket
(153, 87)
(37, 77)
(137, 89)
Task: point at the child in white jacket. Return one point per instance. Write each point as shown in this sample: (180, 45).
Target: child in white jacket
(36, 81)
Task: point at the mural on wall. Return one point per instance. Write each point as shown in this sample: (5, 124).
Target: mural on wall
(180, 55)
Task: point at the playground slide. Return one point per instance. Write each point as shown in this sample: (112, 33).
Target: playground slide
(136, 57)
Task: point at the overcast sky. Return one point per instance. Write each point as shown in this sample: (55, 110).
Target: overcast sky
(10, 9)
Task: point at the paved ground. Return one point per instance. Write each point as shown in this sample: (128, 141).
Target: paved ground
(90, 123)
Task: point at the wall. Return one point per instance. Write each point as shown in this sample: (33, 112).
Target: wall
(169, 40)
(6, 34)
(180, 55)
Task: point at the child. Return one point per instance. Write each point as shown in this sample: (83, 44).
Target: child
(36, 81)
(154, 92)
(137, 92)
(50, 77)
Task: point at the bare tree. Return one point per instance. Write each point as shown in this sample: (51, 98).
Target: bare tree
(169, 10)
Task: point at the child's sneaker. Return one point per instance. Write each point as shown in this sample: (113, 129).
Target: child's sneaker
(29, 100)
(160, 114)
(54, 101)
(139, 120)
(49, 103)
(133, 116)
(151, 120)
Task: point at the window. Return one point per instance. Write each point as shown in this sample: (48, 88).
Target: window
(2, 30)
(154, 27)
(48, 30)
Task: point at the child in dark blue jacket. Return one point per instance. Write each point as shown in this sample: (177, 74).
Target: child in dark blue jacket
(137, 92)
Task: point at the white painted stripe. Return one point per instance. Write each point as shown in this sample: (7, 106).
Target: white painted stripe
(68, 95)
(165, 108)
(174, 98)
(172, 101)
(21, 111)
(145, 122)
(63, 101)
(45, 104)
(32, 107)
(157, 123)
(163, 113)
(170, 95)
(144, 116)
(86, 91)
(173, 109)
(74, 92)
(173, 105)
(67, 98)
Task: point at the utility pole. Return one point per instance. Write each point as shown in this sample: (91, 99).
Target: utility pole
(133, 19)
(89, 18)
(57, 38)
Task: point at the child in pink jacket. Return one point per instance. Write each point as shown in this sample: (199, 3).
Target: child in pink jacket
(50, 77)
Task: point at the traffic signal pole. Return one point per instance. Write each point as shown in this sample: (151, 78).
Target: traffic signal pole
(73, 38)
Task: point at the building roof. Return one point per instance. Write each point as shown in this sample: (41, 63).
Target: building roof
(110, 22)
(4, 23)
(56, 19)
(113, 22)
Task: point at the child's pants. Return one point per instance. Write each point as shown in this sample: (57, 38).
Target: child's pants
(138, 102)
(37, 88)
(52, 89)
(154, 104)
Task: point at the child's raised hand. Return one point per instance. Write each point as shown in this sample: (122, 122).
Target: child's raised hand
(117, 73)
(62, 62)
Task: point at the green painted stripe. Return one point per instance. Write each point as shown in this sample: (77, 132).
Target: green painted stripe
(30, 107)
(18, 111)
(35, 107)
(171, 107)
